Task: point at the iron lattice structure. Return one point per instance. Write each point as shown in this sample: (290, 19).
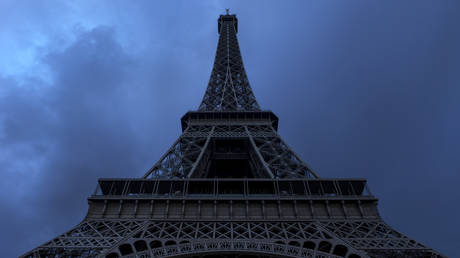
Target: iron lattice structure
(231, 187)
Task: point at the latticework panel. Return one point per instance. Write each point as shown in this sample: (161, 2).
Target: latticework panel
(188, 153)
(307, 235)
(280, 158)
(228, 87)
(229, 249)
(341, 238)
(371, 235)
(95, 234)
(230, 131)
(88, 239)
(179, 159)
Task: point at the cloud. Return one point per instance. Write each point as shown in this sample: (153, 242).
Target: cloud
(55, 137)
(362, 89)
(96, 119)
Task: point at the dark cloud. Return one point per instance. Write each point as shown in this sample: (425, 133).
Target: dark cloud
(95, 120)
(372, 95)
(362, 89)
(61, 136)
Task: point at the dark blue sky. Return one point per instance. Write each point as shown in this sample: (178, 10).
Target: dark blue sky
(93, 89)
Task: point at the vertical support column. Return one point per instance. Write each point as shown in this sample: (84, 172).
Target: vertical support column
(279, 208)
(105, 208)
(295, 209)
(249, 231)
(258, 153)
(203, 150)
(151, 208)
(328, 209)
(136, 204)
(311, 209)
(120, 208)
(183, 209)
(360, 209)
(263, 210)
(167, 209)
(344, 209)
(231, 209)
(247, 209)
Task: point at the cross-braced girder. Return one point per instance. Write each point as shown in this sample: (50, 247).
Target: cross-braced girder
(331, 238)
(228, 87)
(230, 187)
(188, 155)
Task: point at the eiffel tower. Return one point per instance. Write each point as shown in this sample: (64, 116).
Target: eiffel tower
(231, 187)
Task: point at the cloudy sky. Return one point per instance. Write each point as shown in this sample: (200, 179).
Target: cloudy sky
(92, 89)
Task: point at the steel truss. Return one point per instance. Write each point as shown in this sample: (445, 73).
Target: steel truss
(187, 157)
(186, 205)
(330, 238)
(228, 87)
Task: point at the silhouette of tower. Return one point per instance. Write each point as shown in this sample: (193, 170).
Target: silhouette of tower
(231, 187)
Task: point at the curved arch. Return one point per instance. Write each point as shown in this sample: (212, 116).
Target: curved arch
(140, 245)
(170, 242)
(112, 255)
(309, 245)
(155, 244)
(294, 243)
(340, 250)
(221, 246)
(324, 246)
(126, 249)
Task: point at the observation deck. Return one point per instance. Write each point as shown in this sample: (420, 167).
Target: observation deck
(233, 199)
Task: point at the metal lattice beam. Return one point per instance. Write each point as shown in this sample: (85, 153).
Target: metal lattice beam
(108, 236)
(277, 158)
(277, 206)
(228, 87)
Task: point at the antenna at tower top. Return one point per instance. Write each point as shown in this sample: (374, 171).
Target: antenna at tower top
(227, 11)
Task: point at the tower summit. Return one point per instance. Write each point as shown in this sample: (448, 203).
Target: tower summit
(228, 88)
(229, 186)
(229, 136)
